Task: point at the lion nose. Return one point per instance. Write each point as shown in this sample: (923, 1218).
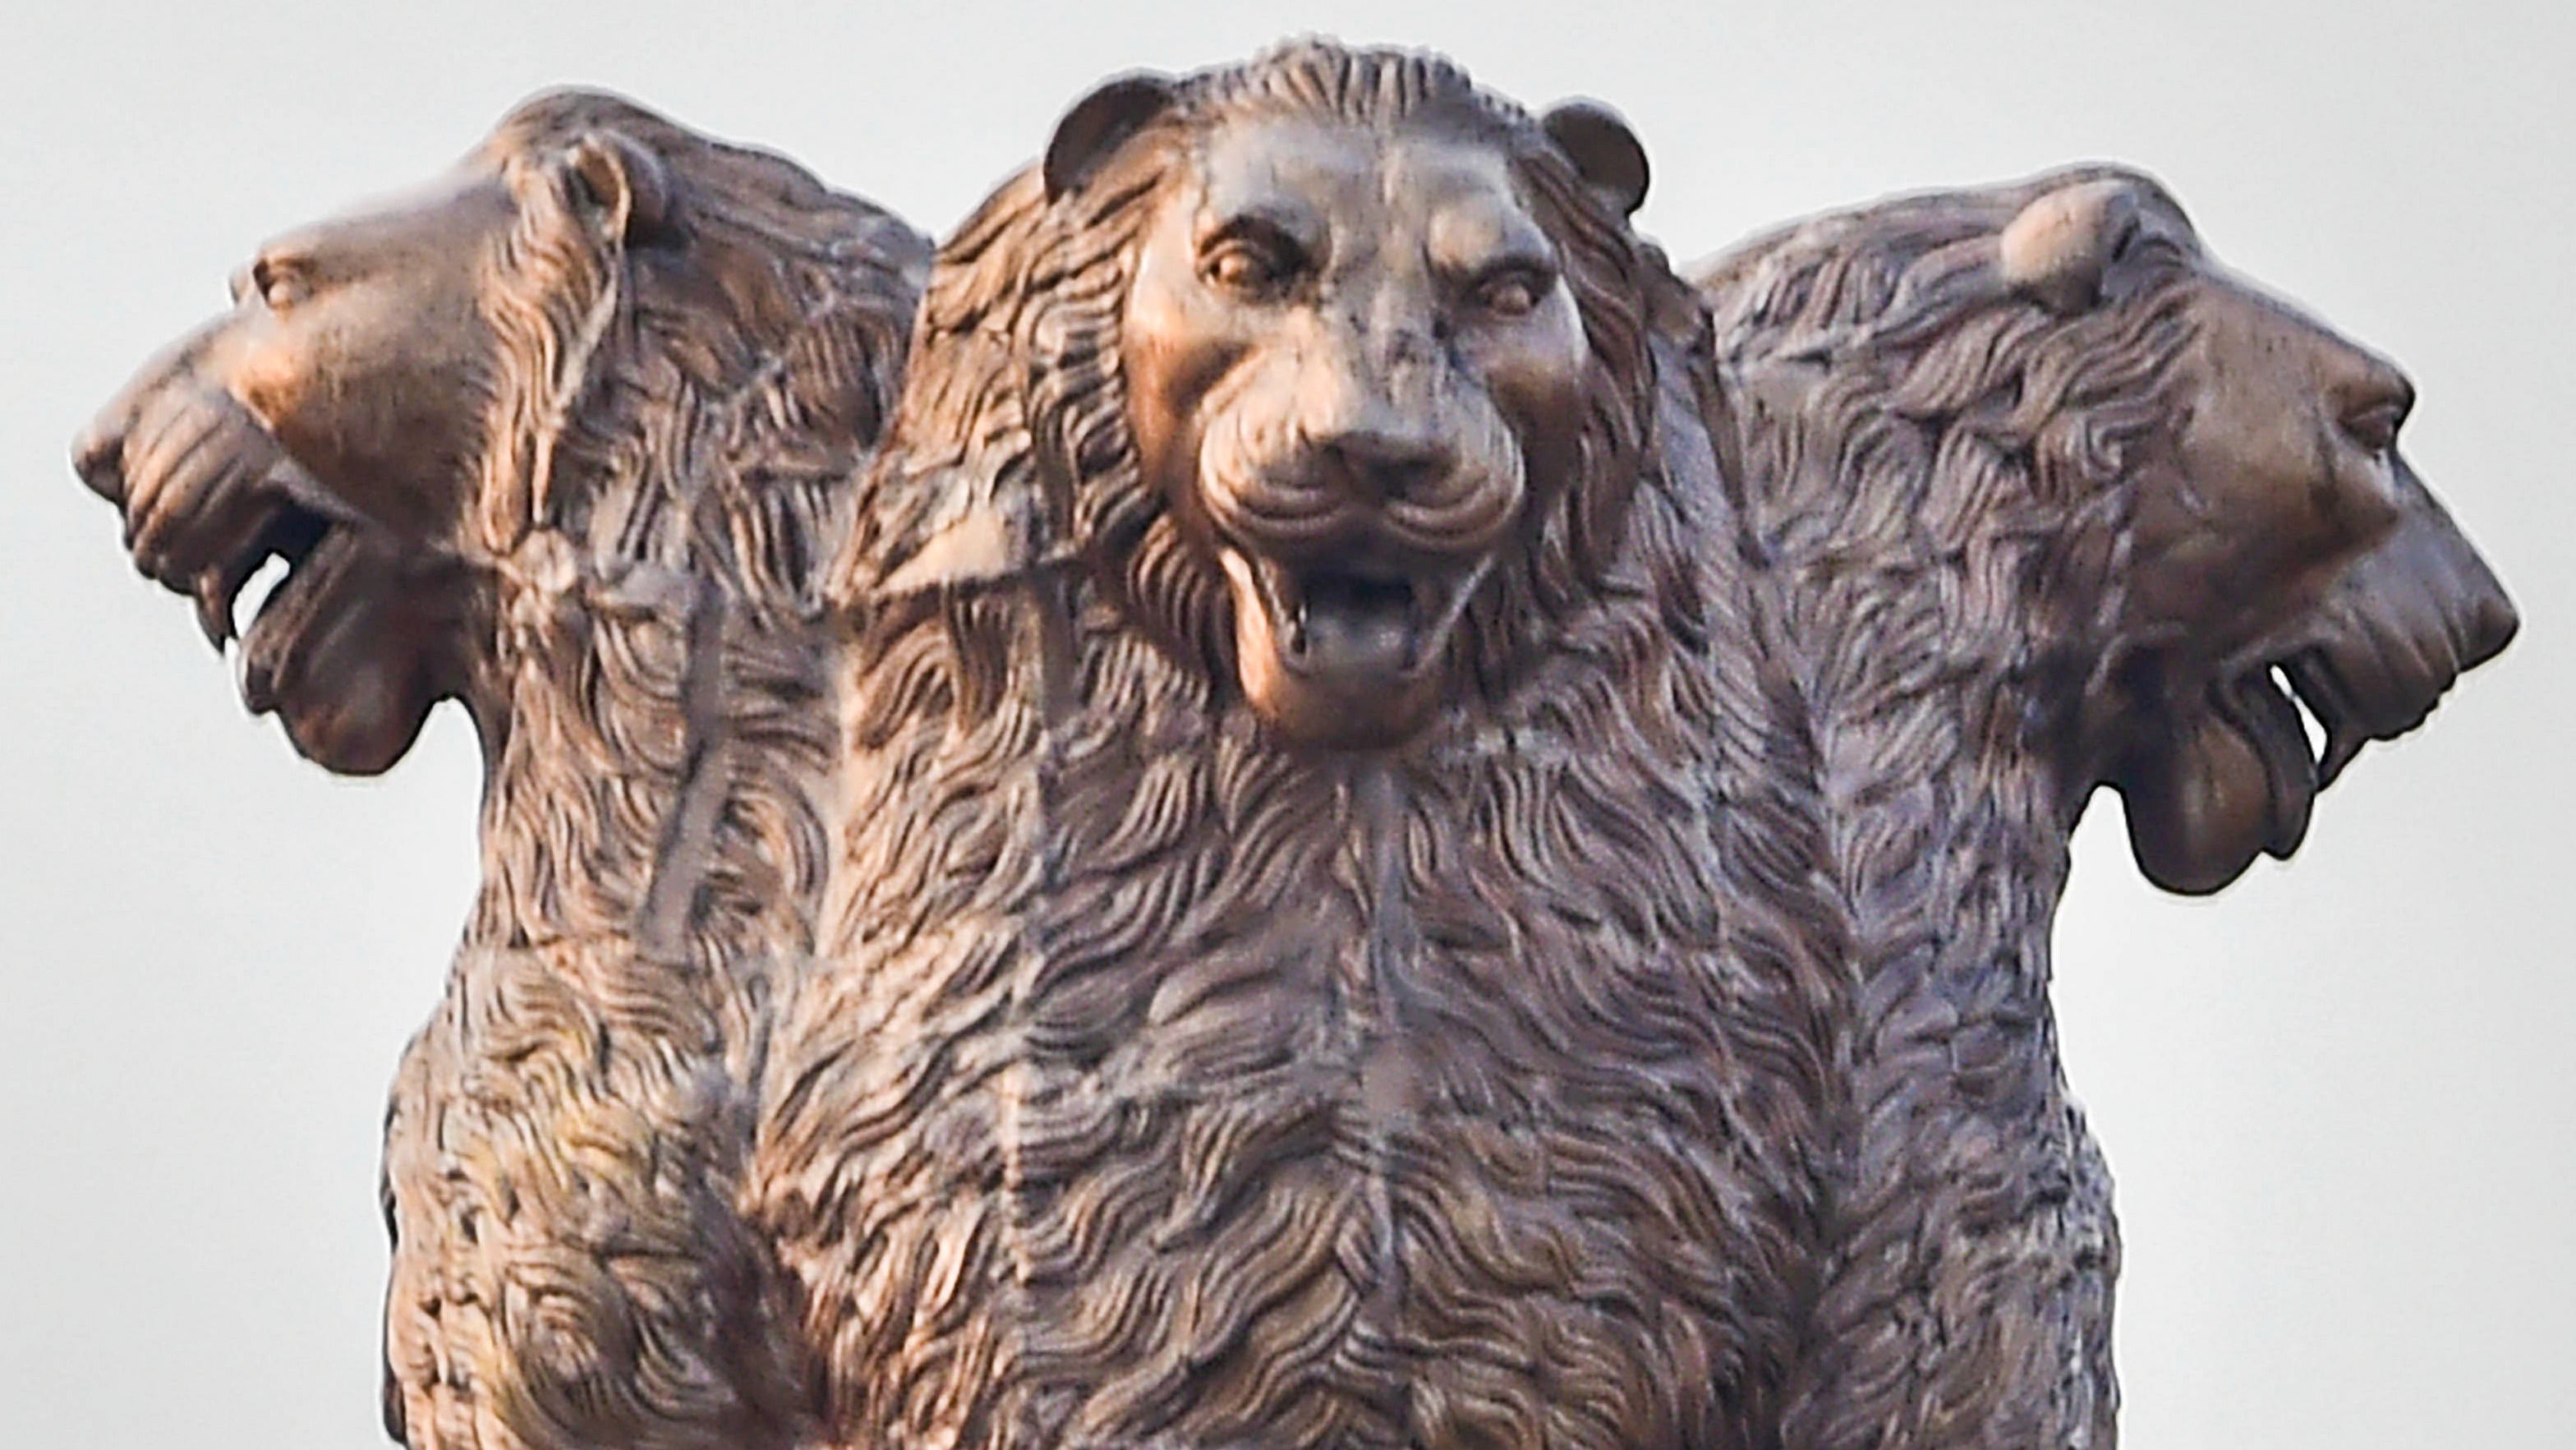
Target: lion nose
(2477, 614)
(2492, 624)
(1381, 464)
(98, 456)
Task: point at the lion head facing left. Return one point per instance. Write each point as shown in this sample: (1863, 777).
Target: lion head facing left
(401, 396)
(1338, 362)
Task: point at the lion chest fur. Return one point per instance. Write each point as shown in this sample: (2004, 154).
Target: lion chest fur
(563, 1150)
(565, 1134)
(1169, 1086)
(1977, 1243)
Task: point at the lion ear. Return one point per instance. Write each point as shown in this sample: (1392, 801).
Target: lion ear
(620, 183)
(1099, 124)
(1605, 153)
(2061, 246)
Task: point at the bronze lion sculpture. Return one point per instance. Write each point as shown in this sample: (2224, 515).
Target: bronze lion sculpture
(1321, 955)
(2052, 502)
(565, 437)
(1419, 849)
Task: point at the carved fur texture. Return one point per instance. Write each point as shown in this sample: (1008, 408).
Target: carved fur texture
(669, 461)
(1171, 1085)
(922, 994)
(1963, 422)
(672, 424)
(1967, 1298)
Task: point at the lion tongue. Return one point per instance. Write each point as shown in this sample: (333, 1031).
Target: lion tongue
(2270, 722)
(1345, 622)
(2229, 783)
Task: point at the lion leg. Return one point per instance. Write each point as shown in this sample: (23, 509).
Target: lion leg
(568, 1267)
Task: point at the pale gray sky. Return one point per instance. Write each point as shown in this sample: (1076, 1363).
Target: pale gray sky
(2338, 1098)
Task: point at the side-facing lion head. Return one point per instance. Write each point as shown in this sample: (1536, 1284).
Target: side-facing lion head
(542, 341)
(2162, 486)
(1330, 363)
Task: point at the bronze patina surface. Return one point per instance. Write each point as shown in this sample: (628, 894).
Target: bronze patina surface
(1335, 812)
(559, 437)
(2047, 497)
(1318, 825)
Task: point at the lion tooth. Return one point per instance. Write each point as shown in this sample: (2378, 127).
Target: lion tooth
(258, 679)
(218, 590)
(214, 609)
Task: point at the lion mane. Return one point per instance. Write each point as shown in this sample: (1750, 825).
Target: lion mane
(1939, 469)
(674, 427)
(677, 409)
(1155, 1053)
(1965, 422)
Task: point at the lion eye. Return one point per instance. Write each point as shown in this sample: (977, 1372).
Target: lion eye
(1249, 267)
(279, 284)
(1516, 292)
(2375, 429)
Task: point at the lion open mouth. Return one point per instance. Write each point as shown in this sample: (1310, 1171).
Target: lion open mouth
(290, 537)
(1343, 650)
(1349, 620)
(220, 501)
(302, 542)
(2268, 720)
(2369, 664)
(284, 563)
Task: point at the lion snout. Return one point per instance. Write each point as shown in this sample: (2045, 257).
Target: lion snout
(1379, 461)
(2492, 623)
(1412, 499)
(98, 454)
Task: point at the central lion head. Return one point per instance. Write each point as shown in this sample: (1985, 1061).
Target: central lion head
(1337, 369)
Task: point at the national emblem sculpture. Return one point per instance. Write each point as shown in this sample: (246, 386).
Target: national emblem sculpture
(1340, 814)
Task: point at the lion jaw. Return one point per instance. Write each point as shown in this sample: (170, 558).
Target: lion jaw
(1342, 653)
